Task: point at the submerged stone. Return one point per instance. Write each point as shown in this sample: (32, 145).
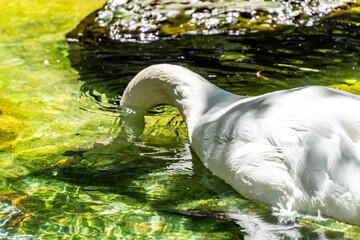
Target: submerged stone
(136, 20)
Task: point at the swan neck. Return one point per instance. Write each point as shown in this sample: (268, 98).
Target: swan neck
(175, 85)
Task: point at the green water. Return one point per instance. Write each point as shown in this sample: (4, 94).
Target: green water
(58, 102)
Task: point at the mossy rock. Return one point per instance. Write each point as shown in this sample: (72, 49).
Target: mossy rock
(150, 20)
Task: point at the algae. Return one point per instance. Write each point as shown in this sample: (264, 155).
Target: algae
(39, 87)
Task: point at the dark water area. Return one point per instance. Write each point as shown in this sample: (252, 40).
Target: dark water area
(326, 53)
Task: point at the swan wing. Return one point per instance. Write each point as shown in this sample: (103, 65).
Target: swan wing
(294, 149)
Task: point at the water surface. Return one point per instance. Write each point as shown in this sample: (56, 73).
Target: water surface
(65, 175)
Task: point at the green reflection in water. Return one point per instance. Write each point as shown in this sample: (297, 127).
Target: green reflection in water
(41, 103)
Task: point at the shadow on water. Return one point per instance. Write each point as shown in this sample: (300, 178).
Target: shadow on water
(193, 184)
(324, 54)
(138, 162)
(147, 175)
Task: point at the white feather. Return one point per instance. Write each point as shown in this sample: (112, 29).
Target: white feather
(297, 150)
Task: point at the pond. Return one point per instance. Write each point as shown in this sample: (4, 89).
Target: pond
(65, 175)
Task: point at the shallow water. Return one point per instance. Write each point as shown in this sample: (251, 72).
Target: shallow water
(65, 175)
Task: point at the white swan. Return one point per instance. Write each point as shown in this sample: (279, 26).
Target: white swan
(297, 150)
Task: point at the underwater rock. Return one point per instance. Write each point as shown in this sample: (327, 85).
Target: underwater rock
(149, 20)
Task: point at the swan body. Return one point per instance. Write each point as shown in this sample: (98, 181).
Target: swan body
(297, 150)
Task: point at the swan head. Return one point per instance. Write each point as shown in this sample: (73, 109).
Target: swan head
(131, 122)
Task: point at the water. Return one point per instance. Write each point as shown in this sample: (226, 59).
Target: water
(65, 175)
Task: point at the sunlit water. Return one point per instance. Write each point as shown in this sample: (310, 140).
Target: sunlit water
(64, 173)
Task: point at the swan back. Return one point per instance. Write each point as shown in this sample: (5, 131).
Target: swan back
(297, 150)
